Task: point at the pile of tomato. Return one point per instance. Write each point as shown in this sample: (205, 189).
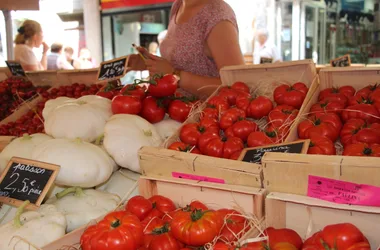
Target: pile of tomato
(13, 92)
(347, 116)
(156, 224)
(32, 121)
(152, 101)
(229, 123)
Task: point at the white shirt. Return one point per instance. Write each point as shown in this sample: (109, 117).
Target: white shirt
(62, 63)
(268, 50)
(25, 55)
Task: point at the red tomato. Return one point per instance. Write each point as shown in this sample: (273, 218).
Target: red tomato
(347, 91)
(366, 91)
(126, 105)
(342, 236)
(241, 86)
(366, 112)
(107, 94)
(357, 131)
(236, 155)
(230, 94)
(327, 106)
(161, 239)
(362, 149)
(134, 90)
(210, 112)
(205, 139)
(280, 132)
(350, 128)
(163, 86)
(118, 230)
(229, 117)
(196, 205)
(282, 114)
(208, 122)
(219, 102)
(223, 147)
(152, 110)
(290, 95)
(328, 125)
(139, 206)
(375, 95)
(259, 107)
(258, 138)
(235, 225)
(242, 129)
(243, 100)
(196, 228)
(191, 132)
(321, 145)
(283, 235)
(179, 110)
(180, 146)
(360, 100)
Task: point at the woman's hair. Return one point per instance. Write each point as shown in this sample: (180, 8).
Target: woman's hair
(27, 30)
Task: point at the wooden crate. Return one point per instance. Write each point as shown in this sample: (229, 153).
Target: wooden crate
(250, 200)
(68, 77)
(231, 171)
(307, 215)
(4, 73)
(289, 173)
(21, 110)
(43, 78)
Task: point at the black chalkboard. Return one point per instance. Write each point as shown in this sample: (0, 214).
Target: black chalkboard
(26, 180)
(343, 61)
(264, 60)
(112, 70)
(15, 68)
(254, 155)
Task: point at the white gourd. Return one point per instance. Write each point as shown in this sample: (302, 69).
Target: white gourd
(52, 104)
(21, 147)
(166, 128)
(82, 164)
(124, 135)
(82, 118)
(83, 206)
(121, 182)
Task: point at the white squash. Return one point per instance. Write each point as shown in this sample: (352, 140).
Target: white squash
(82, 164)
(21, 147)
(124, 135)
(166, 128)
(82, 206)
(82, 118)
(52, 104)
(121, 182)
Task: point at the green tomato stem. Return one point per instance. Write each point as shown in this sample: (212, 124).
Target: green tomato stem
(20, 210)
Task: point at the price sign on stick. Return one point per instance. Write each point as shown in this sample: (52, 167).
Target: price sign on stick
(113, 70)
(343, 61)
(15, 68)
(264, 60)
(25, 179)
(254, 155)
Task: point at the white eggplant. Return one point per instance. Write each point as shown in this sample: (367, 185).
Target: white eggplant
(82, 118)
(82, 164)
(21, 147)
(124, 135)
(32, 229)
(81, 206)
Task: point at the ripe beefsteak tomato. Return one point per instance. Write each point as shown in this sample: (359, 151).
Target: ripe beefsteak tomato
(367, 112)
(219, 102)
(118, 230)
(344, 236)
(259, 138)
(229, 117)
(191, 132)
(161, 238)
(162, 86)
(328, 125)
(321, 145)
(230, 94)
(367, 91)
(362, 149)
(152, 110)
(327, 106)
(290, 95)
(242, 129)
(240, 86)
(358, 131)
(282, 114)
(210, 112)
(347, 91)
(259, 107)
(243, 100)
(235, 225)
(196, 228)
(222, 147)
(182, 147)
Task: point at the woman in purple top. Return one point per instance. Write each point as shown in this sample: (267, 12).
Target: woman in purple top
(202, 38)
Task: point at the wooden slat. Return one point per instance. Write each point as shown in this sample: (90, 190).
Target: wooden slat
(68, 77)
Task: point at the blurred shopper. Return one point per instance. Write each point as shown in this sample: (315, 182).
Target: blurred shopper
(85, 61)
(30, 36)
(161, 36)
(52, 58)
(264, 49)
(202, 38)
(69, 55)
(153, 48)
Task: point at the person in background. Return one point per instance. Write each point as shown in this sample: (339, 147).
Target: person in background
(52, 58)
(153, 48)
(30, 36)
(84, 60)
(63, 62)
(202, 38)
(265, 49)
(160, 39)
(68, 55)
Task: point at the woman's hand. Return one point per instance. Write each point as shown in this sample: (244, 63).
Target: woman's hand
(45, 47)
(158, 65)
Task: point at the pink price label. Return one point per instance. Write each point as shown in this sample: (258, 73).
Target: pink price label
(343, 192)
(197, 178)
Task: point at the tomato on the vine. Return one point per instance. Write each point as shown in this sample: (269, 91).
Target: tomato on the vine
(126, 105)
(152, 110)
(282, 114)
(242, 129)
(321, 145)
(328, 125)
(259, 107)
(293, 95)
(231, 116)
(162, 86)
(134, 90)
(362, 149)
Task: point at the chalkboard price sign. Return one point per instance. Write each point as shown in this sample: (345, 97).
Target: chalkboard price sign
(254, 155)
(113, 70)
(264, 60)
(25, 179)
(15, 68)
(343, 61)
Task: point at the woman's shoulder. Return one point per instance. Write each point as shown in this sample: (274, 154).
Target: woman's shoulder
(220, 8)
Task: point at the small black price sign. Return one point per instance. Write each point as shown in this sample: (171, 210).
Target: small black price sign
(343, 61)
(264, 60)
(254, 155)
(15, 68)
(25, 179)
(113, 70)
